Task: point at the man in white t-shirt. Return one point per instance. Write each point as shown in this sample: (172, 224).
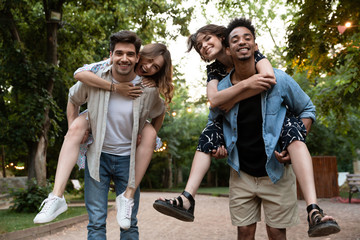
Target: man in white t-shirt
(115, 122)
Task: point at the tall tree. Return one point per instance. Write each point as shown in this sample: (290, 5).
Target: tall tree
(51, 58)
(39, 56)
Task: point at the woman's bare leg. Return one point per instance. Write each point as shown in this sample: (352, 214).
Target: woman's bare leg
(143, 156)
(303, 168)
(200, 166)
(69, 153)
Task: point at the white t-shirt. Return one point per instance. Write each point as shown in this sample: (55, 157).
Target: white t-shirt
(119, 124)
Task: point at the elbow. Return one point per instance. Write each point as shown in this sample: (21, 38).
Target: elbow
(272, 76)
(269, 75)
(213, 102)
(79, 76)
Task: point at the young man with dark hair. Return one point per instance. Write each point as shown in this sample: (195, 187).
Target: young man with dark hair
(115, 122)
(251, 129)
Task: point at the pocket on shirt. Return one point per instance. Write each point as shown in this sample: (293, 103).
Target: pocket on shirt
(273, 104)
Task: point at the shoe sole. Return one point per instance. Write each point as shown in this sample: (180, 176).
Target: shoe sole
(57, 213)
(171, 211)
(325, 229)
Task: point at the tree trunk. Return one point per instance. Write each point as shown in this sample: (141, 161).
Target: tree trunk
(3, 161)
(179, 175)
(209, 179)
(30, 164)
(216, 179)
(170, 177)
(40, 161)
(41, 147)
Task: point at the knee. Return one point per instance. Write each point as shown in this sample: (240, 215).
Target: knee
(97, 219)
(276, 233)
(247, 232)
(296, 143)
(149, 131)
(76, 130)
(297, 146)
(98, 226)
(96, 231)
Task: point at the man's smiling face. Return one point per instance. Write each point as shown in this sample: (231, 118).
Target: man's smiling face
(124, 58)
(241, 44)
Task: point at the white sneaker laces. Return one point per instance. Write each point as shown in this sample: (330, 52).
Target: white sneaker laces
(46, 205)
(128, 208)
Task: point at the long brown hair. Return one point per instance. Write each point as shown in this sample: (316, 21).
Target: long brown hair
(217, 30)
(163, 78)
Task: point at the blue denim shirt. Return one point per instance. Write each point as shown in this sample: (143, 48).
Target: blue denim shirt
(273, 105)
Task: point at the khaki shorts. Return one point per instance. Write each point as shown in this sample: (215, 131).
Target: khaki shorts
(279, 200)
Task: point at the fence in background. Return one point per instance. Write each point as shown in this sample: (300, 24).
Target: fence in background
(325, 176)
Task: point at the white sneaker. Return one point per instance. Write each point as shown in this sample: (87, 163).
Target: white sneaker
(124, 208)
(52, 207)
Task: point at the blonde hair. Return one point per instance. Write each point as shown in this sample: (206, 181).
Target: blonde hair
(163, 78)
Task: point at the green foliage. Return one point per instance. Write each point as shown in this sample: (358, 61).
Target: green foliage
(29, 199)
(328, 135)
(79, 193)
(325, 141)
(82, 37)
(330, 59)
(329, 62)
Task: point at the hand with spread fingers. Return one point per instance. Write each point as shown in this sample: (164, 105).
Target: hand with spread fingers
(128, 90)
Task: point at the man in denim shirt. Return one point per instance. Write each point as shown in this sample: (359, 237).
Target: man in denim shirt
(251, 129)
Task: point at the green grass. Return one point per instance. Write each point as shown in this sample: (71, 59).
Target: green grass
(215, 191)
(13, 221)
(346, 195)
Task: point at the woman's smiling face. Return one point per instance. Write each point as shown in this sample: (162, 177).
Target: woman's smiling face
(209, 45)
(149, 66)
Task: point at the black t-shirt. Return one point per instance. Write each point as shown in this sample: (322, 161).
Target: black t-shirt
(250, 141)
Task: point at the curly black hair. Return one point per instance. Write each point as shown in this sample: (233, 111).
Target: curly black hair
(238, 22)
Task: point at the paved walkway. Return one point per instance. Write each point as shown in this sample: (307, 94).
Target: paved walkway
(212, 221)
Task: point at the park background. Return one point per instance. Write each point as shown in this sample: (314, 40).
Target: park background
(43, 42)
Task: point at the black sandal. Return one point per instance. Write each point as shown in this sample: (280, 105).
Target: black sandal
(317, 228)
(173, 209)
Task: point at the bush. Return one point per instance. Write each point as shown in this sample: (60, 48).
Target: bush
(30, 198)
(76, 192)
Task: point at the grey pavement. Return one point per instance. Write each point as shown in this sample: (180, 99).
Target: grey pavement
(212, 221)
